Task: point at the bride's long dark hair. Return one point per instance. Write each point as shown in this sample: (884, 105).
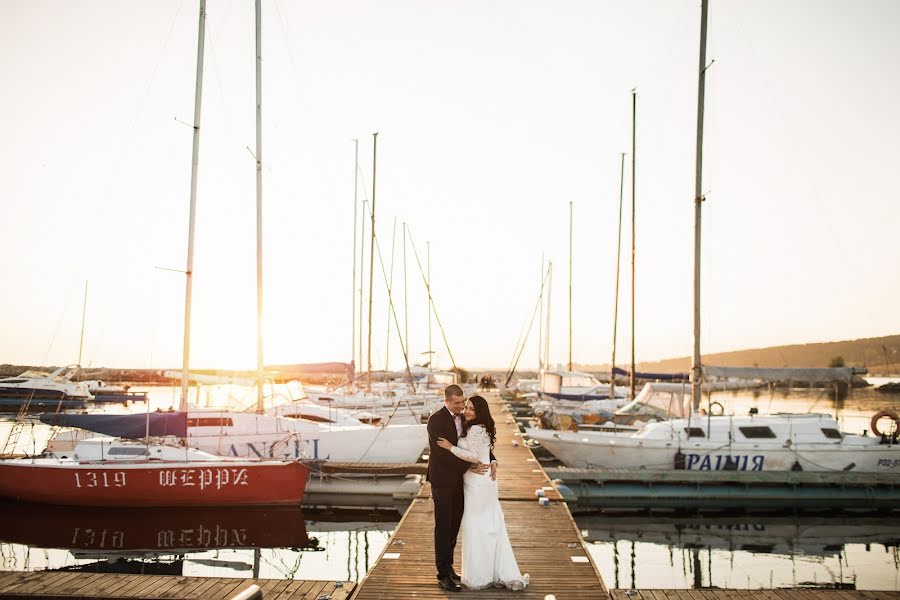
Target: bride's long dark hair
(482, 417)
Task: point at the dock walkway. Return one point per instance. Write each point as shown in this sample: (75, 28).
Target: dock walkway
(546, 541)
(62, 584)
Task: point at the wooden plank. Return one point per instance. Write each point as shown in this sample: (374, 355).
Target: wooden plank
(26, 581)
(224, 588)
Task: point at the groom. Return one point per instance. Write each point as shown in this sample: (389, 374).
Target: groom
(445, 472)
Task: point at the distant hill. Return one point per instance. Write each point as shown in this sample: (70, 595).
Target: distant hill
(880, 355)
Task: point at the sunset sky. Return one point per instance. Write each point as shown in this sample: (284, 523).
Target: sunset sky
(492, 117)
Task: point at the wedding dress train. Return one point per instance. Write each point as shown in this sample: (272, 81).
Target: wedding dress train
(487, 555)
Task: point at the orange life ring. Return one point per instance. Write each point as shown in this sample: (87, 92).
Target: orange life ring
(884, 413)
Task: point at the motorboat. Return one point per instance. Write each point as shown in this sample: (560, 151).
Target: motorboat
(41, 390)
(778, 442)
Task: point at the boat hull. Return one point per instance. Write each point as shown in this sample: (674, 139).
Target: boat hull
(120, 484)
(620, 452)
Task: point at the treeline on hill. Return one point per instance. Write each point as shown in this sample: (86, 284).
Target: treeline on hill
(881, 356)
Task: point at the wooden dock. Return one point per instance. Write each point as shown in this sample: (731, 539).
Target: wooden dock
(56, 584)
(783, 594)
(546, 541)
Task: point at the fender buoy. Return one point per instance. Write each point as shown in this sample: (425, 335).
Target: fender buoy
(881, 414)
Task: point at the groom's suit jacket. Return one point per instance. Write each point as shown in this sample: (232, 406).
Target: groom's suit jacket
(444, 469)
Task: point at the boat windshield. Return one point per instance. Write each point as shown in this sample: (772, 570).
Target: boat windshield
(34, 374)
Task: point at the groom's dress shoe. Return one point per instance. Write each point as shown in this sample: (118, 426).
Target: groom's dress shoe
(449, 585)
(455, 576)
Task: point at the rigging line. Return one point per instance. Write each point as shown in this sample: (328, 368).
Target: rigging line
(431, 301)
(129, 136)
(515, 353)
(393, 311)
(530, 325)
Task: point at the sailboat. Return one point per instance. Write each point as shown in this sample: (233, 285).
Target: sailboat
(122, 472)
(780, 442)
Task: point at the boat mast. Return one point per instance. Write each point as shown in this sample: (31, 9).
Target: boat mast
(405, 297)
(259, 261)
(547, 328)
(371, 262)
(570, 286)
(541, 320)
(362, 269)
(428, 285)
(195, 158)
(698, 203)
(633, 219)
(612, 371)
(353, 288)
(387, 341)
(83, 314)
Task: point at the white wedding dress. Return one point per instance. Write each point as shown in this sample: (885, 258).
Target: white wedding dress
(487, 555)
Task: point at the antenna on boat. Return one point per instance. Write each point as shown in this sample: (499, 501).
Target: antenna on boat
(698, 203)
(259, 261)
(612, 370)
(195, 158)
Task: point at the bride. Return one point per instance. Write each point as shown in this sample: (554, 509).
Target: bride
(487, 556)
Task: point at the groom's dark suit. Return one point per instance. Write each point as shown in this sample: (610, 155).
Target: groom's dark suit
(445, 472)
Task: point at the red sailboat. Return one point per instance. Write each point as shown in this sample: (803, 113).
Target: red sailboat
(123, 473)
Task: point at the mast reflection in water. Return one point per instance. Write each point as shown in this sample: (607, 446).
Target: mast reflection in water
(745, 551)
(268, 542)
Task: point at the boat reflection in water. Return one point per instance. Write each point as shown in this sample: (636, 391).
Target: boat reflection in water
(264, 542)
(855, 551)
(140, 540)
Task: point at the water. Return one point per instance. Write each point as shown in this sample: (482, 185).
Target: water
(745, 551)
(276, 543)
(647, 550)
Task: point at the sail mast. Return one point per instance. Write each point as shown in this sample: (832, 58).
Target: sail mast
(259, 232)
(83, 314)
(570, 286)
(371, 263)
(353, 288)
(633, 219)
(541, 319)
(698, 203)
(612, 371)
(195, 158)
(387, 341)
(428, 285)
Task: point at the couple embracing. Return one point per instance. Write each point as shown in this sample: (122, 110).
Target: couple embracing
(463, 475)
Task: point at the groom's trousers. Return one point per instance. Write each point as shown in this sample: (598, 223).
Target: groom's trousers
(448, 512)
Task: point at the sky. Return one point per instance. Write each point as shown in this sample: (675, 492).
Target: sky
(492, 117)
